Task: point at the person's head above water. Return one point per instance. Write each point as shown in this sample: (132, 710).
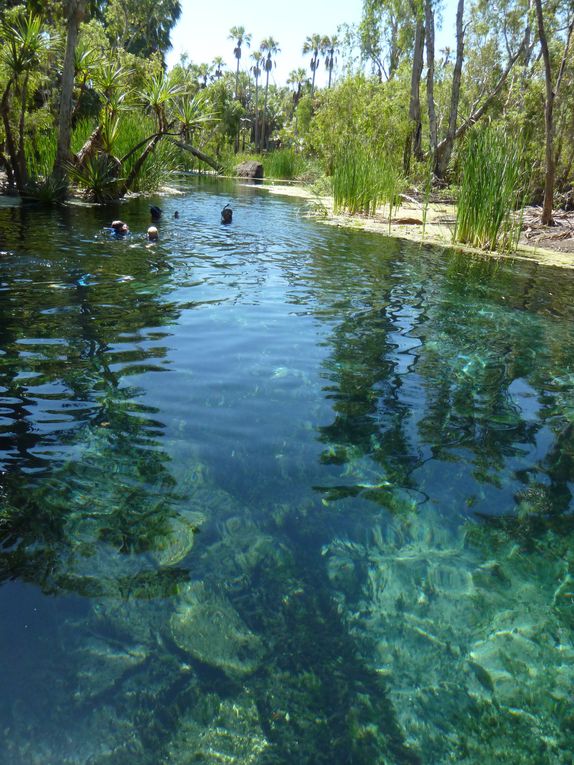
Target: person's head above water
(120, 227)
(155, 212)
(227, 214)
(152, 233)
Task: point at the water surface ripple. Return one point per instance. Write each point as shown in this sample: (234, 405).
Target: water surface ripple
(278, 492)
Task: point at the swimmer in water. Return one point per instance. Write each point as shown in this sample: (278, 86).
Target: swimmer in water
(152, 234)
(119, 227)
(227, 214)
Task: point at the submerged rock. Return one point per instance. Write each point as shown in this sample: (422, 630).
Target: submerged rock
(206, 626)
(219, 731)
(486, 625)
(173, 546)
(102, 665)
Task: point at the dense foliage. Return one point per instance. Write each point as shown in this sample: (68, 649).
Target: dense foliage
(86, 96)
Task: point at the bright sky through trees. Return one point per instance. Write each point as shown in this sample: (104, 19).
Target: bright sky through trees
(203, 29)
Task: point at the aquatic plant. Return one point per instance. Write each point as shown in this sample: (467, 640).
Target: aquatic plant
(364, 179)
(284, 164)
(491, 189)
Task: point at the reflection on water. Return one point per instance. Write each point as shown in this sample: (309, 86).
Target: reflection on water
(277, 493)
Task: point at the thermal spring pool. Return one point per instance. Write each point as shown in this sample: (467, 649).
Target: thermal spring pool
(277, 493)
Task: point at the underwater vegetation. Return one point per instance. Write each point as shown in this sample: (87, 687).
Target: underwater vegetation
(267, 505)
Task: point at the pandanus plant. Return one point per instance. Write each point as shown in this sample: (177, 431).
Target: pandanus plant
(158, 97)
(191, 113)
(25, 42)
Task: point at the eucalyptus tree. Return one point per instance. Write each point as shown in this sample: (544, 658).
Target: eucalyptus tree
(328, 48)
(313, 45)
(392, 32)
(414, 138)
(257, 57)
(552, 90)
(386, 33)
(271, 48)
(505, 30)
(240, 36)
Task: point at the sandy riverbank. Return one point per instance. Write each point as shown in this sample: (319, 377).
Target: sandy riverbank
(407, 223)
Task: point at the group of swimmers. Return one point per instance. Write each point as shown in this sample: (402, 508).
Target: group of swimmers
(120, 228)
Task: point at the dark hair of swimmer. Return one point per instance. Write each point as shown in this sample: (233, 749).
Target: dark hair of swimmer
(120, 227)
(155, 212)
(226, 214)
(176, 214)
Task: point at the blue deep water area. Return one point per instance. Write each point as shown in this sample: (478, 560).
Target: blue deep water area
(278, 492)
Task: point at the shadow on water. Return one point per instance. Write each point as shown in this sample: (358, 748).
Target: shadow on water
(275, 493)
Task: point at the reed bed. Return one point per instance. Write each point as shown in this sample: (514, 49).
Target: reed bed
(364, 179)
(283, 164)
(491, 189)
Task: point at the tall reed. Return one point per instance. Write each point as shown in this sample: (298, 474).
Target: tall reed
(283, 164)
(491, 189)
(364, 179)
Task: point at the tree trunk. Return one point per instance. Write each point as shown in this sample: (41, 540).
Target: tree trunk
(414, 139)
(264, 120)
(442, 157)
(91, 147)
(429, 18)
(197, 153)
(314, 68)
(257, 114)
(21, 158)
(125, 186)
(75, 11)
(9, 137)
(550, 167)
(481, 110)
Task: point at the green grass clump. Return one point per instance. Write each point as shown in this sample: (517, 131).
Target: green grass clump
(491, 189)
(283, 164)
(364, 179)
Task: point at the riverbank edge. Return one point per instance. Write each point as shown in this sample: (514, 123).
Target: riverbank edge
(437, 228)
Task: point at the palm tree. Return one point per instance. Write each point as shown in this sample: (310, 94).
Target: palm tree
(297, 77)
(202, 72)
(313, 45)
(271, 47)
(240, 36)
(256, 69)
(218, 63)
(328, 47)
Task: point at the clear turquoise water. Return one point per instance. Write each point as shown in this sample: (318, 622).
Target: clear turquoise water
(280, 493)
